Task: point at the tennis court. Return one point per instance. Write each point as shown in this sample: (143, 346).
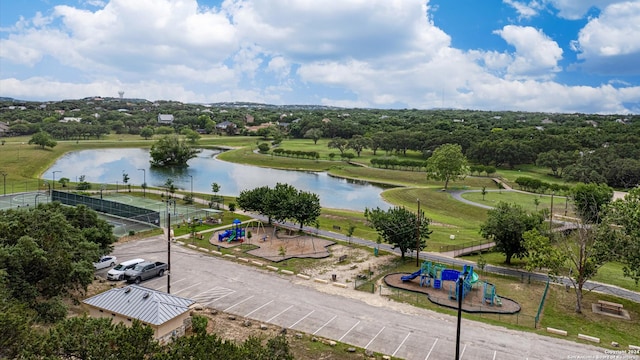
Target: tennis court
(19, 200)
(123, 226)
(180, 213)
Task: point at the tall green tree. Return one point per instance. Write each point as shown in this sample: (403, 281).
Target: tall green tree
(314, 134)
(399, 226)
(358, 143)
(590, 199)
(171, 151)
(43, 139)
(47, 255)
(338, 143)
(505, 225)
(622, 221)
(447, 164)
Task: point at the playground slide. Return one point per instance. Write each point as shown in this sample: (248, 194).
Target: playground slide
(412, 276)
(231, 237)
(474, 278)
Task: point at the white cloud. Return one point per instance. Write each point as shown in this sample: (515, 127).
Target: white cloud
(536, 54)
(376, 53)
(576, 9)
(525, 10)
(610, 43)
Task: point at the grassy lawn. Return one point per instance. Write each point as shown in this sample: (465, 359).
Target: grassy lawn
(526, 200)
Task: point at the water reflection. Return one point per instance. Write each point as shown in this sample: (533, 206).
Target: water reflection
(108, 165)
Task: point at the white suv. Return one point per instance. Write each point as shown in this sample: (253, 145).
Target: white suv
(117, 273)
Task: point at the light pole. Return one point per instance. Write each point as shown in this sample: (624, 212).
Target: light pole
(144, 182)
(418, 237)
(54, 179)
(169, 244)
(4, 176)
(191, 176)
(460, 289)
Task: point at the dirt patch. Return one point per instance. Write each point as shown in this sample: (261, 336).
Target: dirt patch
(275, 245)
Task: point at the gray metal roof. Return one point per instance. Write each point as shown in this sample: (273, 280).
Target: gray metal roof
(132, 301)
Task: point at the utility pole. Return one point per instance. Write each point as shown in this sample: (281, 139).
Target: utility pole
(551, 215)
(418, 237)
(460, 289)
(168, 252)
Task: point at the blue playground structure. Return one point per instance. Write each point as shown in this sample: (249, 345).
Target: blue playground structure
(235, 233)
(433, 275)
(489, 294)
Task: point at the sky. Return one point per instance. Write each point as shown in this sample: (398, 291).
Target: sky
(521, 55)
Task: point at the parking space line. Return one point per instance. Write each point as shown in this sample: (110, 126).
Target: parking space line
(188, 287)
(258, 308)
(402, 343)
(280, 313)
(236, 304)
(304, 317)
(348, 331)
(325, 324)
(430, 350)
(225, 295)
(374, 337)
(463, 349)
(165, 285)
(494, 354)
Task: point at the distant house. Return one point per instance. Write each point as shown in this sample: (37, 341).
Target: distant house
(224, 125)
(168, 315)
(71, 119)
(165, 119)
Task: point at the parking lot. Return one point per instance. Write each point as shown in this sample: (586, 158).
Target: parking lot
(389, 328)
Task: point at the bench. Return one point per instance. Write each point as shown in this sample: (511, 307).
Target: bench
(607, 306)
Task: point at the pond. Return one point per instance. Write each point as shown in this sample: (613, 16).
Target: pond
(108, 165)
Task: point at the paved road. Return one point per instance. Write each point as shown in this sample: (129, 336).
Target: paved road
(364, 320)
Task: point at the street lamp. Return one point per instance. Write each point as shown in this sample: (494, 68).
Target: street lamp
(144, 182)
(460, 290)
(54, 178)
(169, 201)
(191, 176)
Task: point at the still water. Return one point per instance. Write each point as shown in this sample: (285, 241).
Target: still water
(108, 165)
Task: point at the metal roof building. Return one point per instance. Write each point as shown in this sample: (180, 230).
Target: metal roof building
(164, 312)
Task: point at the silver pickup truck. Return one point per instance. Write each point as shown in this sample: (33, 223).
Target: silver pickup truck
(145, 270)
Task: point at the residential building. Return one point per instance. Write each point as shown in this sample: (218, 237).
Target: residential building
(165, 119)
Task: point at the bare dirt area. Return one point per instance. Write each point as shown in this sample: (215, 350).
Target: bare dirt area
(277, 244)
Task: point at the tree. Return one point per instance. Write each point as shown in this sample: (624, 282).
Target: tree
(484, 192)
(622, 222)
(590, 199)
(505, 225)
(191, 135)
(215, 188)
(447, 164)
(171, 151)
(314, 134)
(47, 252)
(170, 186)
(305, 208)
(358, 143)
(125, 180)
(63, 182)
(338, 143)
(147, 132)
(399, 227)
(43, 139)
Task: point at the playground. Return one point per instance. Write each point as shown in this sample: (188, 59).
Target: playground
(441, 287)
(273, 243)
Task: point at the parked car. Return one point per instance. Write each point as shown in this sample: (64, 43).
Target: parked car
(117, 273)
(144, 271)
(105, 262)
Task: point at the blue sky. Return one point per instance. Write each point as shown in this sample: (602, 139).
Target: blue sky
(530, 55)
